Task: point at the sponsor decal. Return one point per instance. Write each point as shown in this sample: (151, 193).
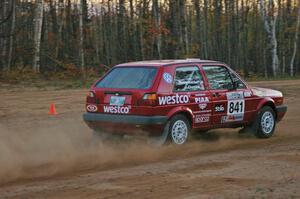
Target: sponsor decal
(236, 107)
(231, 118)
(116, 109)
(235, 110)
(202, 106)
(219, 108)
(168, 78)
(235, 95)
(190, 87)
(175, 99)
(202, 118)
(201, 100)
(91, 108)
(247, 94)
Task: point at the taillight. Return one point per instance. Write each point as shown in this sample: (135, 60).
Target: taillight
(150, 99)
(91, 97)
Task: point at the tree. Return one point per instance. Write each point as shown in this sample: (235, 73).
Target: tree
(11, 36)
(81, 38)
(269, 16)
(39, 12)
(157, 24)
(58, 35)
(295, 42)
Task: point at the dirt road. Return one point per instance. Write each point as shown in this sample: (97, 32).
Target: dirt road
(52, 157)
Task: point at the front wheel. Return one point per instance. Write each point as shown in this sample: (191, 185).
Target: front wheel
(265, 123)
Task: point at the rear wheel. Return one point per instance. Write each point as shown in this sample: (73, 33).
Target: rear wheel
(179, 129)
(265, 123)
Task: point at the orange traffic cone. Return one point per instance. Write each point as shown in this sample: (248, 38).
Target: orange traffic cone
(52, 110)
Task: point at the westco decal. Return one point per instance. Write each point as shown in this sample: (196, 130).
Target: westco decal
(116, 109)
(175, 99)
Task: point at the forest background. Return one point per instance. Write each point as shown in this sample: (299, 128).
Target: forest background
(81, 39)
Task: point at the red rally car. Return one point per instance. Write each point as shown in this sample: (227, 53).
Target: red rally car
(166, 99)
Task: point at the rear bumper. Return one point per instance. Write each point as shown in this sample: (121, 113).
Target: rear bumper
(125, 124)
(281, 111)
(129, 119)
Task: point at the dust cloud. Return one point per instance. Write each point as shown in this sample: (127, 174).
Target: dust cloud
(63, 149)
(68, 147)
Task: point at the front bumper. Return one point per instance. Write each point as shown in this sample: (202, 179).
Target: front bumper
(125, 124)
(281, 111)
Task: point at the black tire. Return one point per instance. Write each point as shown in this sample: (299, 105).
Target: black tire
(265, 123)
(182, 134)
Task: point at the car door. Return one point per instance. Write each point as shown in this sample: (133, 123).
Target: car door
(189, 81)
(250, 100)
(228, 102)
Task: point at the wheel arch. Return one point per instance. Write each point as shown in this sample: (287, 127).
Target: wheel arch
(268, 102)
(187, 112)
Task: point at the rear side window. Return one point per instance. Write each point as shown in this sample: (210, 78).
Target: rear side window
(188, 79)
(129, 77)
(218, 77)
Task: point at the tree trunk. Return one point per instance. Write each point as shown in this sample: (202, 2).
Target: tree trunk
(4, 40)
(270, 19)
(205, 26)
(96, 32)
(275, 60)
(81, 39)
(38, 34)
(198, 26)
(295, 43)
(11, 39)
(157, 23)
(60, 27)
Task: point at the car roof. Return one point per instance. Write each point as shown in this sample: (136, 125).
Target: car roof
(158, 63)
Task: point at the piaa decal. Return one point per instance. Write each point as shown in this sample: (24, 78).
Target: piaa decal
(201, 100)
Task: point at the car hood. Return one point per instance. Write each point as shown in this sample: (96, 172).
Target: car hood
(266, 92)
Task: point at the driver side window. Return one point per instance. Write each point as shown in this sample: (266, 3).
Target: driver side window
(240, 84)
(218, 77)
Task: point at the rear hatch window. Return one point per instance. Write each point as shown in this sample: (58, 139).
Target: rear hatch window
(129, 78)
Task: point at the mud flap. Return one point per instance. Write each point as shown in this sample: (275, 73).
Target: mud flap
(160, 140)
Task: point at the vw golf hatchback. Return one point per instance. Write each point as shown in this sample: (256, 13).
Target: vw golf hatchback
(166, 99)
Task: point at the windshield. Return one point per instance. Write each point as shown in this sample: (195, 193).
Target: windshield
(129, 77)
